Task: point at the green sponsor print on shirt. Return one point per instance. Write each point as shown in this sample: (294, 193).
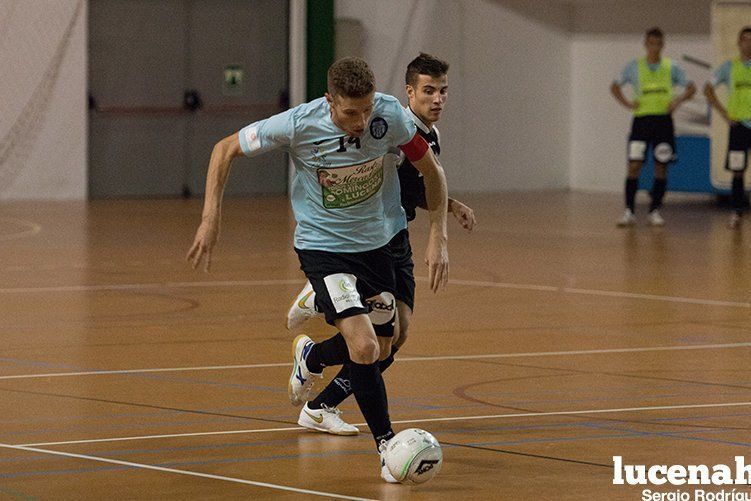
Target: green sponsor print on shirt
(348, 186)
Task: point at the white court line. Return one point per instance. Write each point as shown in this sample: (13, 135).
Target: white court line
(153, 285)
(400, 359)
(406, 421)
(168, 435)
(654, 297)
(597, 292)
(147, 371)
(182, 472)
(294, 281)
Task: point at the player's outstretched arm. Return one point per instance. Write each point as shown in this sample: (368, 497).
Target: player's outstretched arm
(463, 213)
(436, 193)
(208, 232)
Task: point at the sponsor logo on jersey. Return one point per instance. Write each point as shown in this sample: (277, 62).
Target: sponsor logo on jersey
(346, 186)
(378, 128)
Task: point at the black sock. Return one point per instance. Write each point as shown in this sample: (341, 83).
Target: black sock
(333, 351)
(658, 193)
(632, 185)
(370, 392)
(737, 197)
(340, 387)
(336, 392)
(386, 363)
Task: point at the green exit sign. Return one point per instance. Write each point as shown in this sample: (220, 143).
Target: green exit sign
(234, 80)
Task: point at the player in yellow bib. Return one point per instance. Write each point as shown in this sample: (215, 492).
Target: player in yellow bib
(652, 78)
(736, 75)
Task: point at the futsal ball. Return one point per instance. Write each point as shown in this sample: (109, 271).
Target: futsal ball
(413, 456)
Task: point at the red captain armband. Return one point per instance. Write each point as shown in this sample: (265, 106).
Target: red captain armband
(415, 149)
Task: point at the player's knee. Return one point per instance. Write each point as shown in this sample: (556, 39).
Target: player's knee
(366, 351)
(634, 169)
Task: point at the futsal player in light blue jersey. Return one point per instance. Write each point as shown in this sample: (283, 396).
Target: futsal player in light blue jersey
(426, 83)
(345, 221)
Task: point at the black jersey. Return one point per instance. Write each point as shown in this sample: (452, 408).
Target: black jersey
(410, 179)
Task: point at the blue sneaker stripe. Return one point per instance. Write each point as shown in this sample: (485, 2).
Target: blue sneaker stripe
(299, 376)
(306, 349)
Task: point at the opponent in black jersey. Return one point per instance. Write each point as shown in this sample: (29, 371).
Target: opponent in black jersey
(410, 180)
(427, 90)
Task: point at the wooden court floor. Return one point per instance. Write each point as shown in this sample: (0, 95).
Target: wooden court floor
(560, 342)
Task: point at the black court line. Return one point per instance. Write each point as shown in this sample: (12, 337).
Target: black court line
(151, 406)
(529, 454)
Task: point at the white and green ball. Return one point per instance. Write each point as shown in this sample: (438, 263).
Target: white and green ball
(414, 456)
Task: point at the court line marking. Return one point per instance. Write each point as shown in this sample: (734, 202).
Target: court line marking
(182, 472)
(400, 359)
(404, 421)
(153, 285)
(33, 229)
(472, 283)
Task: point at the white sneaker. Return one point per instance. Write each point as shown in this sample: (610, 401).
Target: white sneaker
(325, 419)
(655, 219)
(385, 473)
(627, 219)
(735, 221)
(301, 380)
(303, 308)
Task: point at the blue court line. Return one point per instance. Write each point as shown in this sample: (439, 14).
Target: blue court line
(124, 426)
(17, 494)
(119, 415)
(679, 435)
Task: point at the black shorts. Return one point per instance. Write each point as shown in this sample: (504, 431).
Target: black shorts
(739, 141)
(404, 268)
(344, 282)
(655, 131)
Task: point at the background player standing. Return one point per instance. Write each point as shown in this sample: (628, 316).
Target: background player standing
(736, 74)
(652, 78)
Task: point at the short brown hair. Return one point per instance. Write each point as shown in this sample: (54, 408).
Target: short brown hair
(745, 29)
(350, 77)
(654, 32)
(425, 64)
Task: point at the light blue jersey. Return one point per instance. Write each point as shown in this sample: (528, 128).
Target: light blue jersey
(722, 76)
(338, 194)
(630, 74)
